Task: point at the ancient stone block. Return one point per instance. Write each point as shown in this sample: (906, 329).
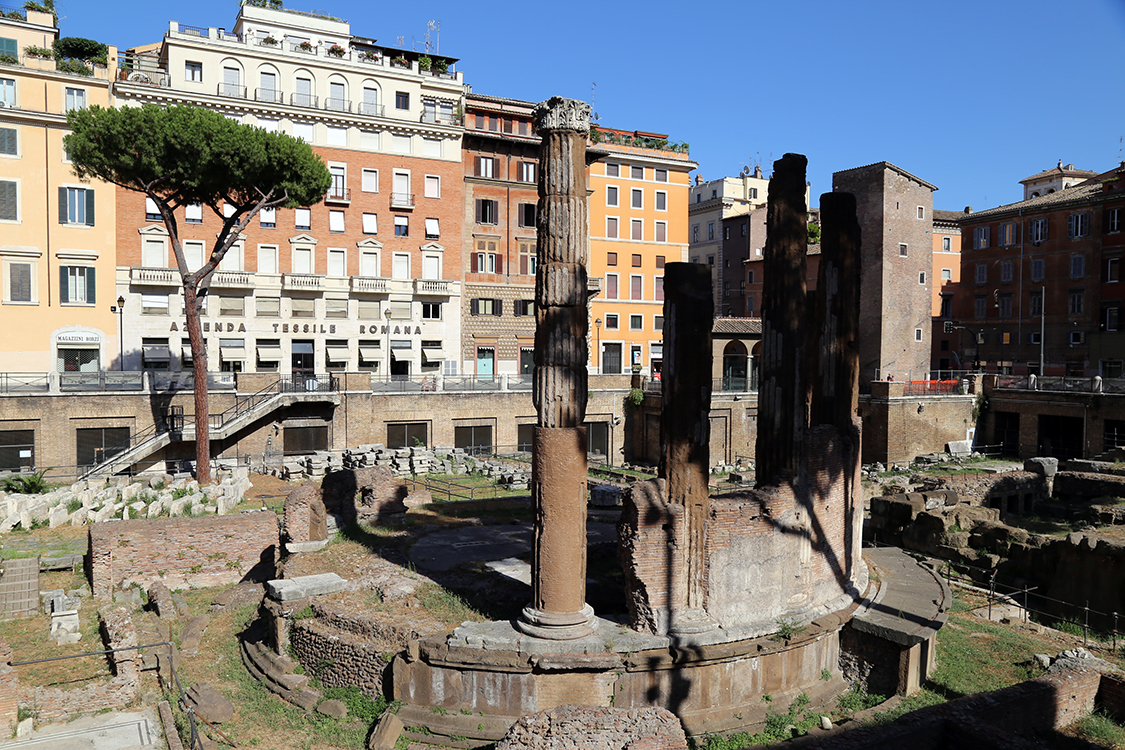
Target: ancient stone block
(596, 728)
(210, 704)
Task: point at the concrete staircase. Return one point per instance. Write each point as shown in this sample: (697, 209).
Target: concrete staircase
(248, 410)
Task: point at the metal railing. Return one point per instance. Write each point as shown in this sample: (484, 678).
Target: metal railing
(735, 384)
(1061, 383)
(303, 100)
(932, 387)
(404, 384)
(194, 30)
(24, 382)
(232, 90)
(471, 383)
(402, 200)
(371, 108)
(338, 105)
(104, 380)
(273, 96)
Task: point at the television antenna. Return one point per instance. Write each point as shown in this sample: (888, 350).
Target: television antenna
(435, 27)
(594, 117)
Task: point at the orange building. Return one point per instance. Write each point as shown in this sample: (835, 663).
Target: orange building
(638, 223)
(946, 278)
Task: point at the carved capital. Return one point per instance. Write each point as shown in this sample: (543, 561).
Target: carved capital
(559, 113)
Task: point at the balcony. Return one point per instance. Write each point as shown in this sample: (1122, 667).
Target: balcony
(370, 285)
(232, 90)
(154, 276)
(232, 279)
(303, 100)
(594, 285)
(438, 118)
(337, 193)
(371, 108)
(338, 105)
(273, 96)
(402, 200)
(301, 282)
(435, 287)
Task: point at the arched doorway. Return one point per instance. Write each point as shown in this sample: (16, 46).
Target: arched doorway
(735, 367)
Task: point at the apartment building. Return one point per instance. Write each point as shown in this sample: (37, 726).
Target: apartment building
(638, 223)
(56, 231)
(1052, 180)
(946, 274)
(501, 162)
(1041, 287)
(367, 280)
(710, 204)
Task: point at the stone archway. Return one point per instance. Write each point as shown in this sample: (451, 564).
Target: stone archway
(735, 366)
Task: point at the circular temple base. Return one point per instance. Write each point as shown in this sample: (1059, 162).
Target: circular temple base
(557, 626)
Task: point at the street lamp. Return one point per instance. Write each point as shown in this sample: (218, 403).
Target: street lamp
(387, 315)
(119, 309)
(598, 325)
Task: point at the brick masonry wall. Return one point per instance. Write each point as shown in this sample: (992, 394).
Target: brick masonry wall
(183, 552)
(896, 430)
(9, 691)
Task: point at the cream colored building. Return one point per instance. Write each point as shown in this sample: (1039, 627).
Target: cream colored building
(368, 279)
(56, 232)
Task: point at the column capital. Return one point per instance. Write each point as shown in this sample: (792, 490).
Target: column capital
(560, 113)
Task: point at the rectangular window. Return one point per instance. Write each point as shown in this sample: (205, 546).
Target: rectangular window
(20, 288)
(527, 171)
(1008, 233)
(921, 215)
(1037, 269)
(8, 141)
(431, 311)
(1112, 315)
(335, 308)
(492, 307)
(661, 200)
(402, 226)
(9, 201)
(660, 175)
(658, 288)
(487, 211)
(432, 186)
(302, 260)
(611, 259)
(918, 331)
(636, 322)
(231, 306)
(268, 218)
(661, 233)
(337, 261)
(76, 285)
(1078, 225)
(1005, 270)
(980, 238)
(335, 221)
(1112, 270)
(370, 181)
(75, 99)
(302, 218)
(76, 206)
(637, 229)
(485, 166)
(1005, 305)
(1077, 266)
(947, 274)
(193, 71)
(369, 264)
(979, 306)
(304, 308)
(8, 91)
(612, 170)
(1077, 303)
(407, 435)
(267, 259)
(267, 307)
(946, 306)
(982, 273)
(611, 198)
(638, 173)
(432, 231)
(921, 277)
(1037, 230)
(154, 304)
(636, 287)
(611, 322)
(947, 244)
(611, 286)
(902, 250)
(1036, 306)
(636, 260)
(402, 100)
(611, 227)
(193, 213)
(1113, 220)
(523, 308)
(370, 224)
(638, 200)
(528, 260)
(527, 214)
(711, 231)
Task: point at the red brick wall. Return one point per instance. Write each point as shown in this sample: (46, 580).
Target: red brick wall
(183, 552)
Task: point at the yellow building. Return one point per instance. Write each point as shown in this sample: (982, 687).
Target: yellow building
(57, 246)
(638, 222)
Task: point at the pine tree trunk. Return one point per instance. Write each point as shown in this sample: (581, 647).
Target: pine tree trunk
(199, 372)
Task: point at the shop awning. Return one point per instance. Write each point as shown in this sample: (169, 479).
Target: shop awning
(270, 353)
(337, 353)
(370, 353)
(433, 353)
(156, 352)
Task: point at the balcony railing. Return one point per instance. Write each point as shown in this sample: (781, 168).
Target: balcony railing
(370, 285)
(232, 90)
(370, 108)
(154, 276)
(273, 96)
(402, 200)
(439, 118)
(24, 382)
(433, 287)
(338, 105)
(337, 193)
(301, 281)
(200, 31)
(106, 380)
(303, 100)
(232, 279)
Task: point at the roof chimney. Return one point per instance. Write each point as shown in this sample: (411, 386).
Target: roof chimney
(968, 209)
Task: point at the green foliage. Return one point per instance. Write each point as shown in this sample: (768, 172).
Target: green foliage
(825, 674)
(304, 614)
(425, 62)
(73, 504)
(77, 67)
(1099, 728)
(26, 484)
(181, 492)
(441, 65)
(779, 727)
(855, 700)
(636, 397)
(359, 704)
(337, 51)
(786, 630)
(8, 59)
(814, 233)
(444, 604)
(81, 49)
(37, 51)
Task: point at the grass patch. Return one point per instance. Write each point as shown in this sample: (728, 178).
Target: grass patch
(1099, 728)
(445, 605)
(360, 705)
(795, 722)
(1047, 526)
(855, 700)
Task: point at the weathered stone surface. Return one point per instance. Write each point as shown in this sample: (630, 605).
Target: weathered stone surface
(287, 589)
(332, 708)
(161, 600)
(210, 704)
(596, 728)
(1044, 466)
(386, 733)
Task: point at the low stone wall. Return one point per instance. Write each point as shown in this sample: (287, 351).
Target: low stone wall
(1013, 491)
(372, 494)
(118, 631)
(183, 552)
(344, 648)
(594, 728)
(1081, 486)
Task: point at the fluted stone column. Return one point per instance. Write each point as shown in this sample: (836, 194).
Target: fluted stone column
(558, 610)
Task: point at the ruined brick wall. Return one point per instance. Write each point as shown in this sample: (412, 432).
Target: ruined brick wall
(183, 552)
(990, 490)
(118, 631)
(305, 515)
(650, 548)
(1073, 485)
(369, 493)
(896, 430)
(341, 647)
(9, 691)
(597, 728)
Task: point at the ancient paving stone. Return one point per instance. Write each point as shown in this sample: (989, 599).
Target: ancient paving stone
(210, 704)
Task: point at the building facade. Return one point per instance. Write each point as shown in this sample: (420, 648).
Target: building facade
(895, 211)
(638, 223)
(56, 231)
(1041, 282)
(946, 353)
(1052, 180)
(368, 280)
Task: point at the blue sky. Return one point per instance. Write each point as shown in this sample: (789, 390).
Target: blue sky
(969, 96)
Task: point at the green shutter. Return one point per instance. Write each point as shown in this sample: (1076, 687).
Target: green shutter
(89, 207)
(64, 283)
(62, 206)
(8, 47)
(8, 210)
(91, 287)
(8, 144)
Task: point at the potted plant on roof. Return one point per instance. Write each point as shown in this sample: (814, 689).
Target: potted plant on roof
(270, 41)
(441, 66)
(369, 55)
(305, 47)
(425, 62)
(336, 51)
(400, 62)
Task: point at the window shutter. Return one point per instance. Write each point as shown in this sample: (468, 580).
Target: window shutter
(475, 265)
(62, 205)
(21, 281)
(523, 265)
(498, 307)
(476, 167)
(91, 287)
(1070, 225)
(90, 208)
(474, 305)
(478, 203)
(499, 264)
(64, 288)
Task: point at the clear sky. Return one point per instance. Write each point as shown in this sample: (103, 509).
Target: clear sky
(970, 96)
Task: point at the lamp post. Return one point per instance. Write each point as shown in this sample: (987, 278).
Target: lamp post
(119, 309)
(598, 325)
(387, 315)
